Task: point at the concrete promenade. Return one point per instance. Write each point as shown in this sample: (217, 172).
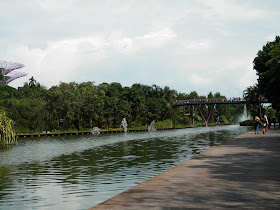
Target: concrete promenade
(243, 173)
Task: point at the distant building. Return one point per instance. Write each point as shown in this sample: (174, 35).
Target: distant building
(8, 73)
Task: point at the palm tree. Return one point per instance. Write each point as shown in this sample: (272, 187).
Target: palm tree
(252, 95)
(32, 82)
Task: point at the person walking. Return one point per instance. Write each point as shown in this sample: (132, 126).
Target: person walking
(256, 124)
(273, 121)
(264, 123)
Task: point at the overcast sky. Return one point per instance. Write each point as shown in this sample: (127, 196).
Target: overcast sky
(188, 45)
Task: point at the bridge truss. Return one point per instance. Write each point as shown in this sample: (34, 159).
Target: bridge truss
(213, 102)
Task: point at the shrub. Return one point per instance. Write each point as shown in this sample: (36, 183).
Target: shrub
(7, 133)
(247, 123)
(164, 124)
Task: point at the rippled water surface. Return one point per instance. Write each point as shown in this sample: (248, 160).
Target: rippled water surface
(78, 172)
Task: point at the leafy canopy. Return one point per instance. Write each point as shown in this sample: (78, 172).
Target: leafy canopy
(267, 66)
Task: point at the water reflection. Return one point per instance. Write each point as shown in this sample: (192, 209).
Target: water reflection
(78, 172)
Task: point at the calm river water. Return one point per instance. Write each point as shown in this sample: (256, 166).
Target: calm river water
(78, 172)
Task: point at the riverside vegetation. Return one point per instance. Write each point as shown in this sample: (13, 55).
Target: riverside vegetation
(7, 133)
(73, 106)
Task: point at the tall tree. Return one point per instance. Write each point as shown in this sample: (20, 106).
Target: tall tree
(32, 82)
(28, 113)
(267, 66)
(1, 74)
(252, 96)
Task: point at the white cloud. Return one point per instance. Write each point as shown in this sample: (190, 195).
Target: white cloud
(198, 80)
(54, 6)
(224, 9)
(189, 45)
(62, 60)
(194, 47)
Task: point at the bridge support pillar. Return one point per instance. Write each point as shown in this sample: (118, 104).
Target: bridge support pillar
(205, 121)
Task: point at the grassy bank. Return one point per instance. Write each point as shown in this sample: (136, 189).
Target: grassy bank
(166, 124)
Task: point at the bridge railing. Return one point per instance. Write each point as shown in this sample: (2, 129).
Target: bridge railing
(210, 100)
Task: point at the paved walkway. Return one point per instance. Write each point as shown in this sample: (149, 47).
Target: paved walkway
(243, 173)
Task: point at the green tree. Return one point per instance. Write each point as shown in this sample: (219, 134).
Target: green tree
(28, 113)
(32, 82)
(65, 103)
(267, 66)
(1, 74)
(89, 100)
(222, 112)
(136, 98)
(252, 96)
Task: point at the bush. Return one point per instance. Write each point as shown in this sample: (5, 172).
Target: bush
(164, 124)
(247, 123)
(7, 133)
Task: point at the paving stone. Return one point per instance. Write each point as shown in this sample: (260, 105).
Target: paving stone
(243, 173)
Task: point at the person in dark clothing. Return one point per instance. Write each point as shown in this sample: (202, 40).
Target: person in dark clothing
(273, 121)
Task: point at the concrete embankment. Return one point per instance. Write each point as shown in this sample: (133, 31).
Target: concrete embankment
(243, 173)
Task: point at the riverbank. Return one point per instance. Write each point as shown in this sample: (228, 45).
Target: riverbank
(24, 135)
(242, 173)
(103, 131)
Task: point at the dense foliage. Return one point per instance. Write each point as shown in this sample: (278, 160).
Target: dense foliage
(267, 66)
(7, 133)
(253, 96)
(33, 107)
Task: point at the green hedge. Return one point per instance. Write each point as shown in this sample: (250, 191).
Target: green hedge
(247, 123)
